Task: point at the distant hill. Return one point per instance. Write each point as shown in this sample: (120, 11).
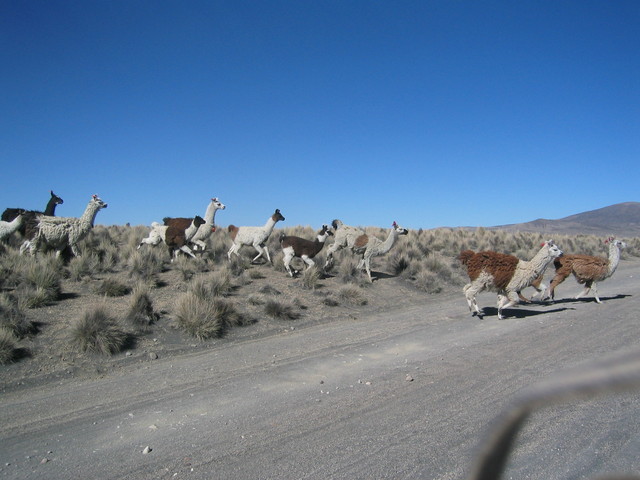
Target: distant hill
(622, 219)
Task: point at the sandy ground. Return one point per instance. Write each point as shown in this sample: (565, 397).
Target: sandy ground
(403, 387)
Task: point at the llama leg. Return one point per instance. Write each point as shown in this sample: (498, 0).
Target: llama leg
(587, 287)
(334, 247)
(310, 263)
(74, 249)
(260, 251)
(540, 291)
(287, 263)
(367, 267)
(186, 250)
(595, 292)
(470, 291)
(233, 249)
(505, 301)
(557, 280)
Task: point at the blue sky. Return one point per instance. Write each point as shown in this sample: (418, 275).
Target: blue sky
(429, 113)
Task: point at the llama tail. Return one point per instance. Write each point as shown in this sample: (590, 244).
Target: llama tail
(465, 256)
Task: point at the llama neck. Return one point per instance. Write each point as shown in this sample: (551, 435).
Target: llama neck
(385, 246)
(319, 243)
(190, 231)
(210, 214)
(270, 224)
(538, 264)
(89, 215)
(50, 210)
(614, 259)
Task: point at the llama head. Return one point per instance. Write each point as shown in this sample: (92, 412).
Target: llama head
(277, 216)
(198, 220)
(56, 199)
(552, 248)
(97, 201)
(218, 204)
(398, 229)
(617, 243)
(325, 231)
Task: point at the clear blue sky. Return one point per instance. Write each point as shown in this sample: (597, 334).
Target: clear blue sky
(429, 113)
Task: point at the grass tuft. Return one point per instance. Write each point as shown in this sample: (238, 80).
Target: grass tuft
(112, 288)
(141, 314)
(280, 310)
(311, 278)
(352, 295)
(13, 318)
(97, 332)
(8, 346)
(205, 319)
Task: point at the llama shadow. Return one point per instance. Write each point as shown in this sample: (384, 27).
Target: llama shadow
(519, 313)
(378, 275)
(20, 354)
(585, 299)
(67, 296)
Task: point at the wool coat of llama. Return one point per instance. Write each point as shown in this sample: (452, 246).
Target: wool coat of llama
(302, 248)
(177, 238)
(370, 247)
(344, 236)
(7, 228)
(205, 230)
(60, 232)
(587, 269)
(256, 236)
(505, 274)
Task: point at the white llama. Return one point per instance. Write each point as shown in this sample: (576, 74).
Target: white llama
(256, 236)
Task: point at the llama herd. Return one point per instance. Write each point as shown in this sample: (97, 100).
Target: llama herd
(487, 270)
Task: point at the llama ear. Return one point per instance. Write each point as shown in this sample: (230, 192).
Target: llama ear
(94, 196)
(394, 224)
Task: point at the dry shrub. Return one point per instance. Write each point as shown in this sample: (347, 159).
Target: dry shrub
(141, 314)
(8, 346)
(13, 318)
(352, 295)
(311, 278)
(215, 284)
(348, 271)
(41, 283)
(205, 319)
(280, 310)
(98, 332)
(83, 266)
(145, 264)
(112, 288)
(428, 282)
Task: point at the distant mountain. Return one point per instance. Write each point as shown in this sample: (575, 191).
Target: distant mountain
(622, 219)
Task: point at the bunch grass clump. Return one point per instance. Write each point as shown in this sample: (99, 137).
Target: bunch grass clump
(96, 331)
(41, 282)
(311, 278)
(352, 295)
(141, 314)
(8, 346)
(146, 264)
(13, 318)
(205, 319)
(112, 288)
(280, 310)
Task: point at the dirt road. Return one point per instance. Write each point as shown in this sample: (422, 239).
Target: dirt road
(407, 394)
